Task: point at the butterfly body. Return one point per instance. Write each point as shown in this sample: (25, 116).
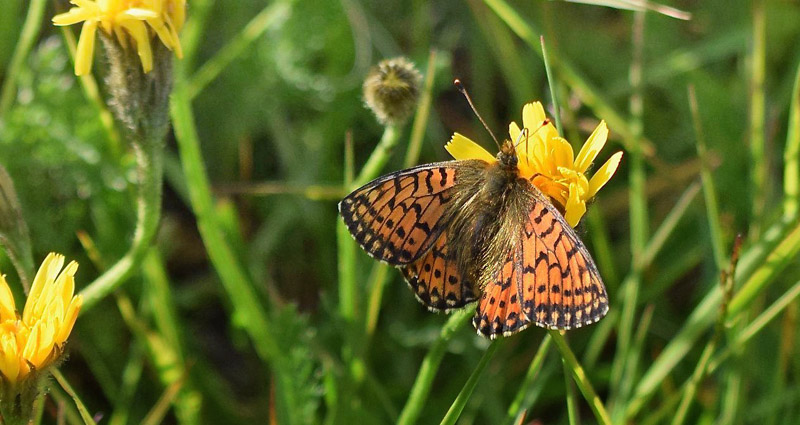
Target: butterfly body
(471, 230)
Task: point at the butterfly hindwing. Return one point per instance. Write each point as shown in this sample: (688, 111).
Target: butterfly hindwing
(548, 279)
(396, 218)
(436, 280)
(499, 311)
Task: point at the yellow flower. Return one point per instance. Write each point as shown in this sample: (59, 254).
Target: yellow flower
(133, 22)
(34, 340)
(548, 161)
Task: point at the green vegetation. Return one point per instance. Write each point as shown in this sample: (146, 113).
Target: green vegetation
(255, 306)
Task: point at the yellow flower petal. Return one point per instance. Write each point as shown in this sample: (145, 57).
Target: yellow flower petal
(461, 147)
(575, 208)
(561, 152)
(85, 52)
(138, 31)
(8, 309)
(73, 16)
(533, 115)
(603, 175)
(592, 147)
(139, 13)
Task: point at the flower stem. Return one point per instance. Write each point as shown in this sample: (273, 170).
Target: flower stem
(30, 31)
(534, 371)
(581, 380)
(430, 364)
(461, 400)
(150, 171)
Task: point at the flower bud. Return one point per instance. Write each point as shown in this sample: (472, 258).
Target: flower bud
(391, 90)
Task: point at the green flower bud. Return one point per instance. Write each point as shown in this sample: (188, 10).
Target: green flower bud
(391, 90)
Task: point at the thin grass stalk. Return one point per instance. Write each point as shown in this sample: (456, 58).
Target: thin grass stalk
(756, 326)
(193, 31)
(430, 365)
(463, 396)
(69, 411)
(791, 156)
(534, 371)
(757, 268)
(272, 15)
(638, 218)
(131, 376)
(758, 159)
(551, 82)
(422, 114)
(573, 417)
(234, 279)
(188, 400)
(567, 73)
(709, 191)
(27, 37)
(578, 374)
(84, 412)
(632, 368)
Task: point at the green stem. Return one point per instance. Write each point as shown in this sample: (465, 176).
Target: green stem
(581, 379)
(709, 191)
(572, 404)
(149, 170)
(638, 218)
(791, 156)
(264, 20)
(236, 282)
(552, 85)
(30, 30)
(430, 365)
(758, 177)
(533, 371)
(463, 396)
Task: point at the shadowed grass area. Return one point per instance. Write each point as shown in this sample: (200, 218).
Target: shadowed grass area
(254, 305)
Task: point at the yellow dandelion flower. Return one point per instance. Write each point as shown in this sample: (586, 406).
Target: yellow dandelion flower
(134, 23)
(547, 160)
(34, 340)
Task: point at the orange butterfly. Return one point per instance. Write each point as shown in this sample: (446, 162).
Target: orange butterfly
(478, 228)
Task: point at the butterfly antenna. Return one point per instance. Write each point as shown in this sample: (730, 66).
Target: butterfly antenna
(463, 91)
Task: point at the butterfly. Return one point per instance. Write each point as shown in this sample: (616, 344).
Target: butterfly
(471, 230)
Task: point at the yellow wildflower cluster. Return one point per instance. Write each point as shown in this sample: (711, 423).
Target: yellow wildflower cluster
(36, 339)
(548, 161)
(134, 23)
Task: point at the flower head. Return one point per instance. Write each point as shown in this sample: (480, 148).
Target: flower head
(33, 341)
(547, 160)
(391, 90)
(134, 23)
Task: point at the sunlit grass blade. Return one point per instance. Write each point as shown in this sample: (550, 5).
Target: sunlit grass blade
(463, 396)
(430, 365)
(599, 410)
(85, 415)
(639, 6)
(271, 15)
(791, 156)
(27, 38)
(534, 372)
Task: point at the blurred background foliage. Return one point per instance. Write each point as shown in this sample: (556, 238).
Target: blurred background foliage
(278, 114)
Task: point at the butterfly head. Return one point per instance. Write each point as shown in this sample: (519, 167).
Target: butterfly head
(507, 157)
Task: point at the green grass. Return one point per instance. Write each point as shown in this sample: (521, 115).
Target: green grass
(253, 304)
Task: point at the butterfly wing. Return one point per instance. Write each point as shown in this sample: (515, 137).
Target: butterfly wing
(436, 280)
(548, 279)
(397, 218)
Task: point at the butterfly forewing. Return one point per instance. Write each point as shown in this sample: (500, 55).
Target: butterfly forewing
(397, 217)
